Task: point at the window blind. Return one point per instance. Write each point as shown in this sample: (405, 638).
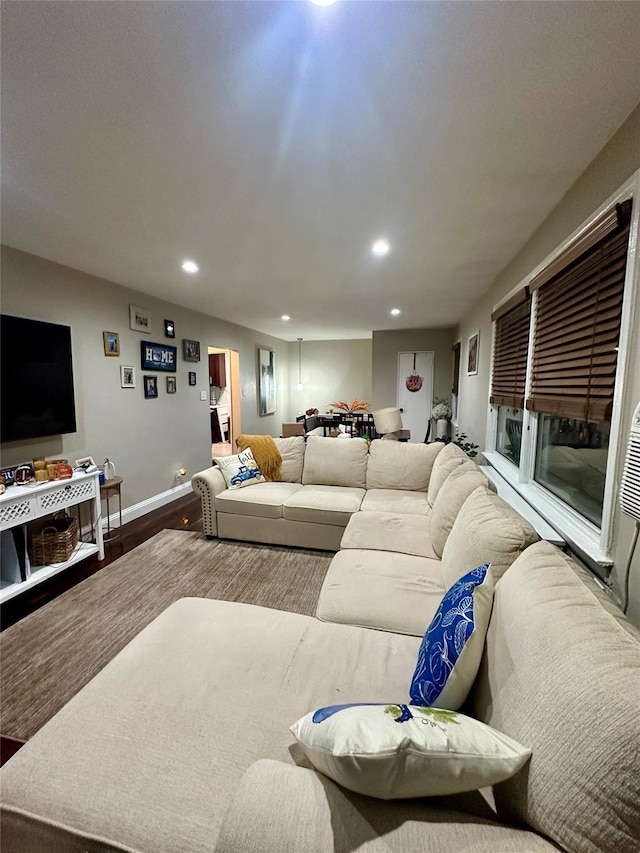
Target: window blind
(578, 314)
(456, 370)
(511, 345)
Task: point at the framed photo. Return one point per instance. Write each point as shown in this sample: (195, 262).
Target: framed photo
(192, 377)
(127, 376)
(158, 357)
(150, 387)
(140, 319)
(171, 384)
(267, 381)
(169, 329)
(190, 350)
(473, 355)
(85, 462)
(111, 341)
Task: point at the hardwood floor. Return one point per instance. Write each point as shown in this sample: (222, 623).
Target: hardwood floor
(182, 514)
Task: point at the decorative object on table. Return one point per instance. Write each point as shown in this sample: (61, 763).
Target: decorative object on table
(158, 357)
(442, 414)
(473, 354)
(140, 319)
(111, 342)
(265, 452)
(40, 469)
(127, 376)
(24, 474)
(55, 542)
(150, 387)
(267, 381)
(109, 469)
(85, 462)
(312, 411)
(192, 377)
(171, 384)
(169, 329)
(190, 350)
(414, 382)
(354, 406)
(63, 470)
(9, 476)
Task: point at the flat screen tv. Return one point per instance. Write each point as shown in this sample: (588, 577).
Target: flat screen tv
(37, 396)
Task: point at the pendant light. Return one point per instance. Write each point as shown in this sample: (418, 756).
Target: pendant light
(300, 386)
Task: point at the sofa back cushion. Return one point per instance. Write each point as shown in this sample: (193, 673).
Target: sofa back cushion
(331, 462)
(561, 673)
(452, 494)
(399, 465)
(292, 452)
(445, 462)
(486, 530)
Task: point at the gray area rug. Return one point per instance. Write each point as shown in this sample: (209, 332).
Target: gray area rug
(48, 656)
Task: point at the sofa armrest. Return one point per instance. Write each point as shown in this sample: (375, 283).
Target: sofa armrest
(208, 484)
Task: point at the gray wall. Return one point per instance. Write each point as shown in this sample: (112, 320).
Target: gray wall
(617, 161)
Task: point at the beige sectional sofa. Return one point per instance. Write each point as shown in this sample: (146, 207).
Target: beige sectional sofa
(182, 742)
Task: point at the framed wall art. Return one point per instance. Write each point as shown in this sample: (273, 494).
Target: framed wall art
(192, 377)
(473, 355)
(171, 384)
(140, 319)
(169, 329)
(127, 376)
(190, 350)
(267, 381)
(150, 387)
(111, 342)
(158, 357)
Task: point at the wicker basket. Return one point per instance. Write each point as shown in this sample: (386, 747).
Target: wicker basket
(55, 542)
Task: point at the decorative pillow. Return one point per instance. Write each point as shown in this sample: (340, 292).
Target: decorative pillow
(240, 470)
(452, 647)
(394, 751)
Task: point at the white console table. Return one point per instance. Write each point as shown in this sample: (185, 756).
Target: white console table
(20, 504)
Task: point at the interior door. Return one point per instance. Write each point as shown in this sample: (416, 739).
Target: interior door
(415, 392)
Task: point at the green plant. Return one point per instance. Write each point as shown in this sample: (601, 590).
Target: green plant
(469, 447)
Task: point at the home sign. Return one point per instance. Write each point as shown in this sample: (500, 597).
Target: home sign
(158, 357)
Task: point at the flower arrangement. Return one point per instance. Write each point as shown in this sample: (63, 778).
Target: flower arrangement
(311, 411)
(441, 408)
(354, 406)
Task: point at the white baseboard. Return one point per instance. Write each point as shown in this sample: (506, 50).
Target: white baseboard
(148, 505)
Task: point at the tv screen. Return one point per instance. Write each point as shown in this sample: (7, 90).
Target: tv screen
(37, 379)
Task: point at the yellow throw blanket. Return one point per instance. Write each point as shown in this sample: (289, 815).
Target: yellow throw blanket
(265, 452)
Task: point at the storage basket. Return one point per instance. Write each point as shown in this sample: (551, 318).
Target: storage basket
(55, 542)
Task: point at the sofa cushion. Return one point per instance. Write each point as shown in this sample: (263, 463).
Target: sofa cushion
(323, 504)
(387, 531)
(263, 499)
(329, 462)
(445, 462)
(292, 452)
(451, 495)
(240, 470)
(387, 751)
(452, 646)
(396, 500)
(383, 590)
(400, 465)
(487, 530)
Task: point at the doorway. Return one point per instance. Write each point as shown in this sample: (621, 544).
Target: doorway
(224, 400)
(415, 392)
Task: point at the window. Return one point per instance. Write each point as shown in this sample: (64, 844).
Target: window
(455, 388)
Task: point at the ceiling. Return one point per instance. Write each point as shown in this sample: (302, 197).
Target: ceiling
(272, 142)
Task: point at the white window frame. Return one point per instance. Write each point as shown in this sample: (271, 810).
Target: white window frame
(596, 542)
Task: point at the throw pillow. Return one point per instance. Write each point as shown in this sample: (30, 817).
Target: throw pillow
(240, 470)
(265, 452)
(393, 751)
(452, 646)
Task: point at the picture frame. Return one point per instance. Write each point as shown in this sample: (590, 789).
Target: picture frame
(127, 376)
(111, 343)
(140, 319)
(158, 357)
(171, 384)
(267, 381)
(85, 462)
(150, 387)
(190, 350)
(169, 329)
(473, 354)
(192, 377)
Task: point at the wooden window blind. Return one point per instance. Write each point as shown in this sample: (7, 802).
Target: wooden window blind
(511, 347)
(578, 314)
(456, 370)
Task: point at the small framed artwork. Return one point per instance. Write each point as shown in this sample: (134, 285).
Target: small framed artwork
(267, 381)
(192, 377)
(85, 462)
(127, 376)
(190, 350)
(158, 356)
(140, 319)
(171, 384)
(150, 387)
(111, 341)
(169, 329)
(474, 352)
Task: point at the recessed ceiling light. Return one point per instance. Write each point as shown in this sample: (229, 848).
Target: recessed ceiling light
(380, 248)
(395, 311)
(323, 2)
(285, 317)
(190, 267)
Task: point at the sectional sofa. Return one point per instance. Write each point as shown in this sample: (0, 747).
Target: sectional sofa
(182, 742)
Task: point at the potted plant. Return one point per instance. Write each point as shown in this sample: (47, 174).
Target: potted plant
(442, 413)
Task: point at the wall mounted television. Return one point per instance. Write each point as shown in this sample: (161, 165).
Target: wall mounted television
(37, 397)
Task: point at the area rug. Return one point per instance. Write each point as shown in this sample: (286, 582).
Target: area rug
(48, 656)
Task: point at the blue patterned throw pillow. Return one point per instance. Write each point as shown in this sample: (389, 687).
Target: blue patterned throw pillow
(451, 649)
